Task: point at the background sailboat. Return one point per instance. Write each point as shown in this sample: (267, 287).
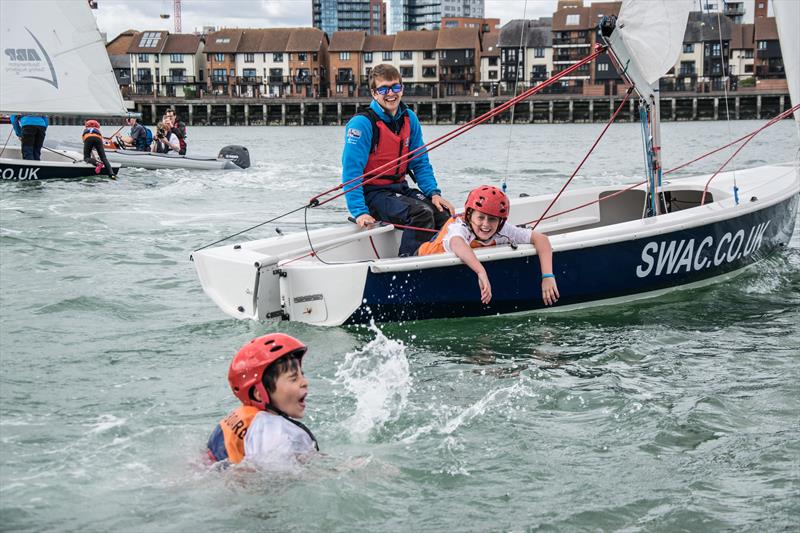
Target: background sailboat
(54, 62)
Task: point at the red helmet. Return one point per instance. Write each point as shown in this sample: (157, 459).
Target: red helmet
(489, 200)
(248, 365)
(92, 124)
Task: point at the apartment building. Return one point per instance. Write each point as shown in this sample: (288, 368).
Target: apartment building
(220, 49)
(307, 53)
(459, 61)
(164, 64)
(526, 52)
(262, 66)
(415, 56)
(742, 62)
(485, 25)
(346, 62)
(365, 16)
(377, 49)
(490, 62)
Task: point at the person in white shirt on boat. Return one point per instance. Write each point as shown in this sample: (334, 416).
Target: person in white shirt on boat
(170, 137)
(483, 224)
(266, 375)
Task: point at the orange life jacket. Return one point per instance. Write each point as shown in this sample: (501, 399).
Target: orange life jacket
(436, 246)
(92, 132)
(230, 432)
(387, 146)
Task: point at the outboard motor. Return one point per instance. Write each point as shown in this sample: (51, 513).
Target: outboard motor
(239, 155)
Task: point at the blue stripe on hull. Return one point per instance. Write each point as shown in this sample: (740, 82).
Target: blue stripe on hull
(584, 275)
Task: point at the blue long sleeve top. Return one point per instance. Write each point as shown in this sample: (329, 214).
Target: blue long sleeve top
(357, 145)
(27, 120)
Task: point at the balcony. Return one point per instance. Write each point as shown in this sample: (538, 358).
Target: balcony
(302, 80)
(686, 72)
(178, 80)
(345, 78)
(538, 75)
(457, 76)
(274, 79)
(249, 80)
(144, 79)
(573, 56)
(764, 71)
(143, 90)
(582, 41)
(218, 80)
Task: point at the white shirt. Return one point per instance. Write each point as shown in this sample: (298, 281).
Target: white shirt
(173, 140)
(508, 234)
(274, 440)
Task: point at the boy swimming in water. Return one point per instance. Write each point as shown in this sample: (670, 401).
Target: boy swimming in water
(484, 224)
(267, 377)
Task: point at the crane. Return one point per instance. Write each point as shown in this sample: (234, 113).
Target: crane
(176, 13)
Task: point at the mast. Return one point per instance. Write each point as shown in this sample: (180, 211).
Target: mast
(644, 42)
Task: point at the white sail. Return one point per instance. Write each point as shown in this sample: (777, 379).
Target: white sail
(653, 33)
(54, 61)
(787, 18)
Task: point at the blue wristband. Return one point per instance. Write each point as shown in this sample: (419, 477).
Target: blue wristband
(548, 276)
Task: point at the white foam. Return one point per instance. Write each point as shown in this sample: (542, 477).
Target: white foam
(379, 379)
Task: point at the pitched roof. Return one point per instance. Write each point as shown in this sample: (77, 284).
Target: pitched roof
(275, 39)
(225, 41)
(742, 36)
(347, 41)
(120, 44)
(583, 22)
(537, 34)
(703, 27)
(181, 43)
(490, 48)
(766, 29)
(458, 39)
(251, 40)
(378, 43)
(154, 39)
(416, 40)
(306, 40)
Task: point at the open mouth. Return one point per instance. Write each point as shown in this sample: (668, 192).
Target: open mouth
(302, 400)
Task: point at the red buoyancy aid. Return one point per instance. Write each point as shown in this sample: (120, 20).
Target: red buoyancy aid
(387, 148)
(227, 440)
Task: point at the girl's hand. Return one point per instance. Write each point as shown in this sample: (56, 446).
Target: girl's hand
(486, 288)
(549, 291)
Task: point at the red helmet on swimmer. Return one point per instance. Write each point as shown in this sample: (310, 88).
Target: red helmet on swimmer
(91, 124)
(247, 368)
(490, 200)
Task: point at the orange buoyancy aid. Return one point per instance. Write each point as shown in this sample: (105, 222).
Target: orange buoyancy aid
(92, 132)
(436, 245)
(227, 439)
(387, 148)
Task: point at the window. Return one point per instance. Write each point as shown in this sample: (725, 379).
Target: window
(249, 58)
(150, 39)
(688, 48)
(144, 58)
(687, 68)
(344, 56)
(233, 72)
(469, 53)
(144, 74)
(492, 74)
(748, 54)
(277, 57)
(428, 72)
(406, 72)
(302, 56)
(762, 45)
(406, 55)
(219, 57)
(339, 89)
(492, 61)
(748, 69)
(715, 50)
(538, 52)
(314, 56)
(387, 56)
(223, 40)
(219, 75)
(602, 67)
(428, 54)
(442, 54)
(573, 20)
(367, 57)
(176, 58)
(249, 73)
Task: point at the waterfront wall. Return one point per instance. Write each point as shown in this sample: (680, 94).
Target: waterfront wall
(539, 110)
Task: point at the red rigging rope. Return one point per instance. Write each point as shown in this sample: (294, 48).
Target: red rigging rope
(424, 149)
(765, 126)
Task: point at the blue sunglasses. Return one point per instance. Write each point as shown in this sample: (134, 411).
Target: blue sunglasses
(383, 90)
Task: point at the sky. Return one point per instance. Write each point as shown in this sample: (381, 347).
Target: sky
(116, 16)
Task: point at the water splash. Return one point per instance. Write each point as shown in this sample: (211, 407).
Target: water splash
(379, 379)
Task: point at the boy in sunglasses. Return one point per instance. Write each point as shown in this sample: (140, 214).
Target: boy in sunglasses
(387, 130)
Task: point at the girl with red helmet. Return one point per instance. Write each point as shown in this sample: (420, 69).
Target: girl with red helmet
(484, 224)
(93, 141)
(266, 375)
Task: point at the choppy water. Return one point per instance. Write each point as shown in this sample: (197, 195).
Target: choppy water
(677, 414)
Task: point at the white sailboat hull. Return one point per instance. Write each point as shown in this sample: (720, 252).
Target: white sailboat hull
(603, 253)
